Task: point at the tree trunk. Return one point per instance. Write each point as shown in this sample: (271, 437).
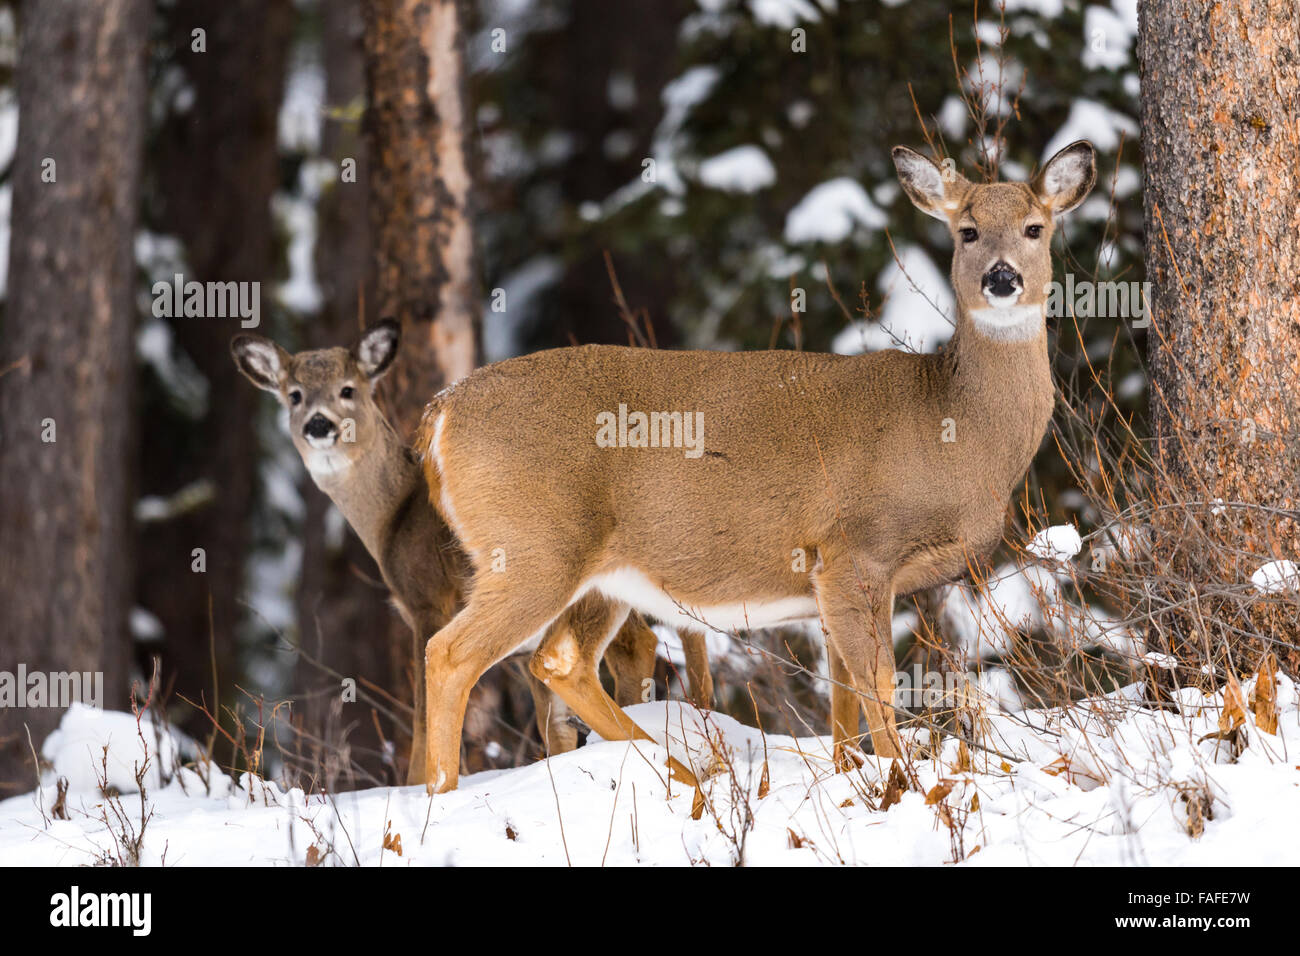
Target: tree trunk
(66, 356)
(216, 168)
(1221, 150)
(417, 126)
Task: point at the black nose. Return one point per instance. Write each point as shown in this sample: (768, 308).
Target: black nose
(318, 426)
(1002, 280)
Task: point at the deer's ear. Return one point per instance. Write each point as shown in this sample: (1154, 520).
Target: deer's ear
(1067, 178)
(377, 347)
(933, 189)
(260, 359)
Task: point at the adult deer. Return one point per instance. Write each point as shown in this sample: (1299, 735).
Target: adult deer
(888, 471)
(353, 455)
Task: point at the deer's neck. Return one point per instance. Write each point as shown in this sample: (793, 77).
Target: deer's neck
(1000, 375)
(372, 491)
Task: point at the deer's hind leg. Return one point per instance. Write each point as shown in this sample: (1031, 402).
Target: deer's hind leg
(631, 660)
(415, 770)
(424, 626)
(698, 674)
(630, 657)
(559, 736)
(566, 661)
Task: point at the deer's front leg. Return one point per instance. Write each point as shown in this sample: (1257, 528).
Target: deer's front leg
(501, 615)
(447, 685)
(845, 713)
(856, 603)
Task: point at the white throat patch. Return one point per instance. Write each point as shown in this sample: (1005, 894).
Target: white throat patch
(1008, 323)
(326, 463)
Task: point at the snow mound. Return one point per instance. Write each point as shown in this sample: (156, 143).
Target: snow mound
(1276, 577)
(1094, 121)
(783, 14)
(985, 621)
(1057, 543)
(1107, 37)
(830, 212)
(745, 169)
(916, 313)
(75, 750)
(1107, 781)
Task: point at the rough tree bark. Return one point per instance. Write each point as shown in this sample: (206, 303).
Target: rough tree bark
(66, 354)
(1221, 150)
(417, 126)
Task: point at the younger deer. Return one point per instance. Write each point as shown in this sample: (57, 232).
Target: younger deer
(889, 471)
(354, 456)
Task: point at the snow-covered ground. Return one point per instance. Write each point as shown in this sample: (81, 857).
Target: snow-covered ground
(1108, 781)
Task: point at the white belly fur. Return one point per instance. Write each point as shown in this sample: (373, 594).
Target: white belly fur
(632, 587)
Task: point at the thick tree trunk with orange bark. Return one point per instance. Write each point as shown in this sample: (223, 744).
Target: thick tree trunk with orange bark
(417, 127)
(1221, 150)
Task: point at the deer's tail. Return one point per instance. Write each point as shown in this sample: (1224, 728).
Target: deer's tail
(424, 445)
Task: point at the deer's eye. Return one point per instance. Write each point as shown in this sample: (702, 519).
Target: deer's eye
(968, 234)
(346, 392)
(1033, 232)
(295, 397)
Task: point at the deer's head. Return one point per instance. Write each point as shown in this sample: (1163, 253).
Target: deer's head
(333, 417)
(1001, 263)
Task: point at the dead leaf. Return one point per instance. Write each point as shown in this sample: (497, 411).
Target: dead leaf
(313, 856)
(511, 833)
(1234, 706)
(1199, 803)
(896, 786)
(1263, 699)
(1057, 767)
(763, 783)
(848, 802)
(60, 809)
(963, 757)
(974, 808)
(939, 791)
(392, 841)
(796, 841)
